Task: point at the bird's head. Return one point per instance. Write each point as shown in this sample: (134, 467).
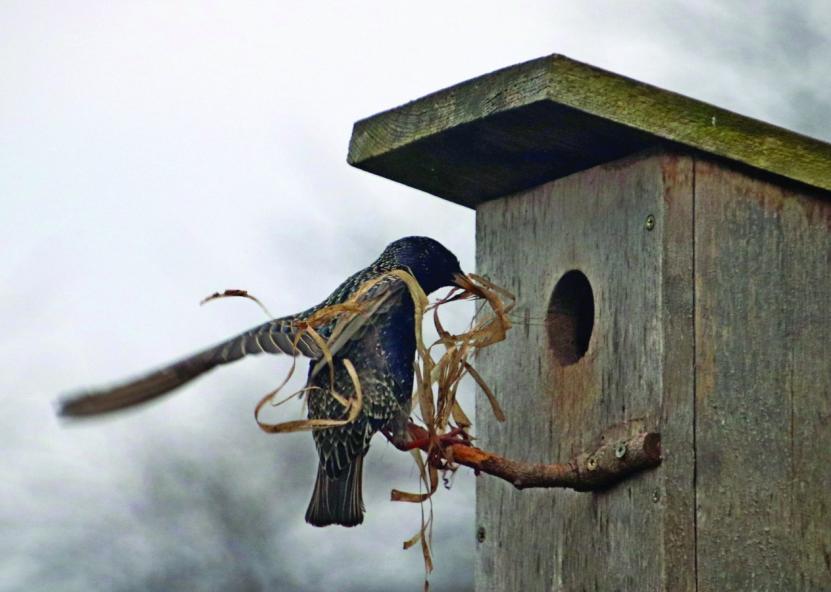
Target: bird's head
(428, 260)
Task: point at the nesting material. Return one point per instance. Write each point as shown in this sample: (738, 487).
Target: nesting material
(436, 380)
(236, 294)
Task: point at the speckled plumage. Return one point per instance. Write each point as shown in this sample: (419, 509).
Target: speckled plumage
(382, 352)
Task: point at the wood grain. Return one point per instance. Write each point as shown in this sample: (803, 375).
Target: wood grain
(637, 372)
(763, 400)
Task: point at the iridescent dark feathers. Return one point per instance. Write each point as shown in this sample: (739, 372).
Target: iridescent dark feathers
(431, 263)
(381, 347)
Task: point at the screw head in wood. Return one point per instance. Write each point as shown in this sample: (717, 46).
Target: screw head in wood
(650, 222)
(620, 450)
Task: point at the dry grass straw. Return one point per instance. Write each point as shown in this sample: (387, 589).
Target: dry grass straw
(348, 317)
(436, 380)
(436, 409)
(237, 294)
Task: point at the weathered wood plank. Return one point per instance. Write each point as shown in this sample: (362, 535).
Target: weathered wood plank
(637, 372)
(763, 397)
(530, 123)
(676, 310)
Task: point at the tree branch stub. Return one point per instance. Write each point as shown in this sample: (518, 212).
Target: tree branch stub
(609, 464)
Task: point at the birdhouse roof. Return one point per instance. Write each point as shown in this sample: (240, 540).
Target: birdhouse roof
(531, 123)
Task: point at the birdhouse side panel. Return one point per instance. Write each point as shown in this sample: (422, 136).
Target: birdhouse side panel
(763, 396)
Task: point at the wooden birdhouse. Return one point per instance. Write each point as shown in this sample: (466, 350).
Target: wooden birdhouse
(672, 267)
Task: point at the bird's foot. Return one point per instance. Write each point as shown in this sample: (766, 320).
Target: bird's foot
(416, 437)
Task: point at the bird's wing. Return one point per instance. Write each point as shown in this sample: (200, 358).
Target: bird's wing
(380, 297)
(274, 337)
(359, 340)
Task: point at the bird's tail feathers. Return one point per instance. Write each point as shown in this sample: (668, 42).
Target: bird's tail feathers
(338, 501)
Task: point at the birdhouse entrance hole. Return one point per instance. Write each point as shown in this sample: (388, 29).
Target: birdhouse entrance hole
(570, 317)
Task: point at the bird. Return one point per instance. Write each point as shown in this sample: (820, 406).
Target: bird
(381, 350)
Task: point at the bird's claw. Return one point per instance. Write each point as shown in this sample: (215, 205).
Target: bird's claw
(419, 438)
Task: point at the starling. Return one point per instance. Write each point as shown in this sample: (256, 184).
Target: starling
(381, 349)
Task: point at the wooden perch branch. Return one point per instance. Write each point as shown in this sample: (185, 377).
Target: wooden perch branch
(610, 463)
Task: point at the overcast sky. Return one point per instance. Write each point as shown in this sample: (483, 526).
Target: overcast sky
(154, 152)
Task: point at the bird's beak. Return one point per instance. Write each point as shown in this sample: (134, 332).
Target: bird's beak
(467, 286)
